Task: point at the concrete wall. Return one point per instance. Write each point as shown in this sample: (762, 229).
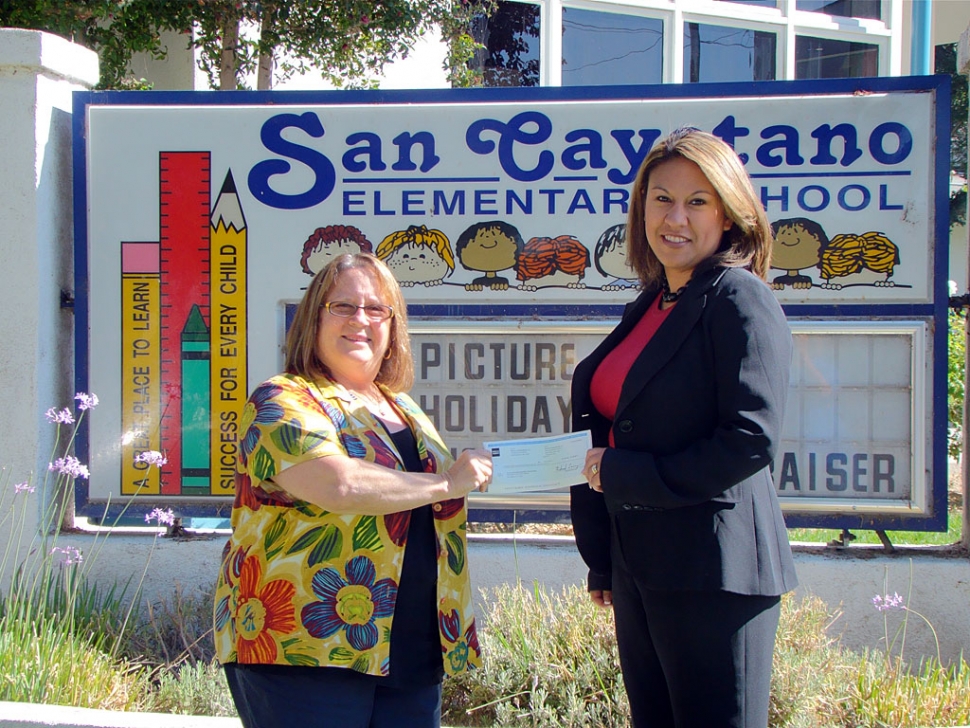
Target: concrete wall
(935, 582)
(38, 72)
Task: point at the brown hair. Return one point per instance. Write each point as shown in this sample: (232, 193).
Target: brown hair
(397, 369)
(746, 244)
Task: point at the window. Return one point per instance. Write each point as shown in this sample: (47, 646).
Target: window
(843, 8)
(511, 40)
(761, 3)
(824, 58)
(714, 53)
(609, 48)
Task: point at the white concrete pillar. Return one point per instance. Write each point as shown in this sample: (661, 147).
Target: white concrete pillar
(38, 72)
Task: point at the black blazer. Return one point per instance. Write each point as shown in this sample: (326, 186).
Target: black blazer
(688, 500)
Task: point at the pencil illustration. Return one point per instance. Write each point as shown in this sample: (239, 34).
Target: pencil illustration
(140, 365)
(227, 296)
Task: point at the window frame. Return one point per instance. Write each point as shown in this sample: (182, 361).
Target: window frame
(784, 21)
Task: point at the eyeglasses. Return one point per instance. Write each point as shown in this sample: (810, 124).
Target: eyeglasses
(373, 311)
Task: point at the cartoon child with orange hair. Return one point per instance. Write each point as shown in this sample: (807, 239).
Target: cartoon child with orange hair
(547, 262)
(417, 256)
(326, 243)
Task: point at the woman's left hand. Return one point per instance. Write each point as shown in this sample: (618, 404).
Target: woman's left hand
(591, 470)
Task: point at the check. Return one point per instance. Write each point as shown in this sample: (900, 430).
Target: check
(538, 463)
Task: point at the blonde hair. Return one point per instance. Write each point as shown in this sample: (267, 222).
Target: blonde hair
(746, 244)
(397, 369)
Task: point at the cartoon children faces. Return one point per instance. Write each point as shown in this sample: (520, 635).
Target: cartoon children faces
(489, 247)
(417, 256)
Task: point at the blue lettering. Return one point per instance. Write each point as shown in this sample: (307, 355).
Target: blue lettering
(412, 202)
(612, 197)
(903, 136)
(825, 134)
(581, 201)
(633, 155)
(884, 199)
(782, 198)
(524, 205)
(843, 198)
(509, 135)
(440, 205)
(371, 148)
(271, 136)
(485, 202)
(593, 150)
(728, 131)
(377, 205)
(354, 199)
(405, 142)
(789, 143)
(803, 192)
(551, 195)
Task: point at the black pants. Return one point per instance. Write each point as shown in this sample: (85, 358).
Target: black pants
(694, 659)
(279, 696)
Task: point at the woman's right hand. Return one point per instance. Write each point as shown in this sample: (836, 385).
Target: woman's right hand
(471, 471)
(601, 597)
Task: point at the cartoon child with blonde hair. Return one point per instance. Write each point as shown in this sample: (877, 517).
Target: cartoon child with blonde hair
(417, 256)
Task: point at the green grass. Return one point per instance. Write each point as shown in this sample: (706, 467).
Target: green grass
(898, 538)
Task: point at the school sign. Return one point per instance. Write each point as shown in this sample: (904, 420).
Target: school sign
(201, 217)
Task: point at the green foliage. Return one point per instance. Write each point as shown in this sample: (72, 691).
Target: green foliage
(956, 363)
(198, 689)
(347, 41)
(115, 29)
(946, 63)
(548, 660)
(933, 695)
(457, 30)
(43, 661)
(899, 538)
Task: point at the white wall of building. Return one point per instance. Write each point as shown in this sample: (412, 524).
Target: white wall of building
(38, 72)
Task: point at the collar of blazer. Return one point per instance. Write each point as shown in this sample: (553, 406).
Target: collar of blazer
(669, 337)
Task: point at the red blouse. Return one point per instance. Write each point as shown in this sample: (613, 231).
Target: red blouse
(611, 373)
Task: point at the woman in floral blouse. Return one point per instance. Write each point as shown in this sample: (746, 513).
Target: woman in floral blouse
(344, 594)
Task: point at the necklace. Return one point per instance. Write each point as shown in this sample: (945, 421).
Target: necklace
(666, 295)
(374, 405)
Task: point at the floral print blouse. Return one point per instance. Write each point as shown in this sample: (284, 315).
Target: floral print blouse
(303, 586)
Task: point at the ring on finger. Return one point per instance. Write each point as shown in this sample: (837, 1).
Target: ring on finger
(594, 469)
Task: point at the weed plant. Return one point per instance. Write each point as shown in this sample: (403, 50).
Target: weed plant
(548, 660)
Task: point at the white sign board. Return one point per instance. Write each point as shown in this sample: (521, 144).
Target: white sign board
(201, 217)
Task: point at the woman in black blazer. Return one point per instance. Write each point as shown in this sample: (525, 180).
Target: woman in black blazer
(679, 524)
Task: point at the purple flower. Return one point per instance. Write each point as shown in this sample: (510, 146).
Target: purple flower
(70, 466)
(86, 401)
(71, 555)
(265, 411)
(24, 487)
(352, 604)
(883, 603)
(162, 518)
(62, 417)
(151, 457)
